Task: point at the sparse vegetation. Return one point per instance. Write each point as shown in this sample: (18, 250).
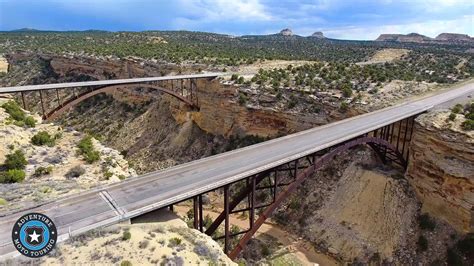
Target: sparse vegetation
(126, 235)
(12, 176)
(174, 242)
(41, 170)
(3, 201)
(125, 263)
(18, 115)
(15, 160)
(86, 149)
(426, 223)
(43, 138)
(75, 172)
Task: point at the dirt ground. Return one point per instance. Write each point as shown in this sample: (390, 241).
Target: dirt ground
(386, 55)
(3, 64)
(298, 248)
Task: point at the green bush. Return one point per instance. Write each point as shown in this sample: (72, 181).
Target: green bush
(126, 235)
(452, 116)
(15, 160)
(14, 110)
(125, 263)
(175, 241)
(18, 115)
(42, 138)
(343, 107)
(457, 108)
(426, 223)
(3, 202)
(468, 124)
(86, 149)
(422, 243)
(30, 121)
(43, 170)
(12, 176)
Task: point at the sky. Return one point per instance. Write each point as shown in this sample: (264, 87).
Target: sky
(341, 19)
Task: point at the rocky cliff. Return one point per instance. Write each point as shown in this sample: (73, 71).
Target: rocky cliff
(446, 38)
(221, 114)
(456, 37)
(441, 168)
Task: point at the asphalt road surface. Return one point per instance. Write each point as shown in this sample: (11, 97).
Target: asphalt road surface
(81, 212)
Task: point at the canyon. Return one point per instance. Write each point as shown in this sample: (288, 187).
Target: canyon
(155, 131)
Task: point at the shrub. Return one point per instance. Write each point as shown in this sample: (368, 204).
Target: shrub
(422, 243)
(75, 172)
(30, 121)
(468, 124)
(15, 160)
(14, 110)
(452, 116)
(126, 235)
(12, 176)
(108, 175)
(18, 115)
(3, 202)
(426, 223)
(42, 138)
(347, 92)
(242, 99)
(86, 149)
(125, 263)
(343, 106)
(43, 170)
(457, 109)
(175, 241)
(234, 77)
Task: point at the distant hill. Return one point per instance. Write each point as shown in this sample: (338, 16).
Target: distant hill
(24, 30)
(453, 37)
(450, 38)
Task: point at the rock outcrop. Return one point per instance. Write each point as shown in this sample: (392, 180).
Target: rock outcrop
(286, 32)
(318, 35)
(443, 38)
(441, 169)
(453, 37)
(412, 37)
(221, 114)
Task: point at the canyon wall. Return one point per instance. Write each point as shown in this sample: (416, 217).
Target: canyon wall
(221, 114)
(441, 169)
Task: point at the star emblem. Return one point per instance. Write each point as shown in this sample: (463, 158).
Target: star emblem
(34, 237)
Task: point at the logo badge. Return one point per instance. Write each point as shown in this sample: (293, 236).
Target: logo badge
(34, 235)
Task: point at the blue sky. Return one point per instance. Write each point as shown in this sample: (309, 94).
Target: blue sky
(344, 19)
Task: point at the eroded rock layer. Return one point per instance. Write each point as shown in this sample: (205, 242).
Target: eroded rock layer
(441, 169)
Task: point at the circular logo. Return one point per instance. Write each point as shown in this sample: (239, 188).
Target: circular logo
(34, 235)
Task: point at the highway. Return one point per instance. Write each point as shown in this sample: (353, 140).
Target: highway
(102, 206)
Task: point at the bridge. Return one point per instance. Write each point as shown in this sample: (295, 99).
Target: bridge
(182, 87)
(277, 166)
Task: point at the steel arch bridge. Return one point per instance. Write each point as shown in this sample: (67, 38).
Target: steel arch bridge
(390, 144)
(182, 87)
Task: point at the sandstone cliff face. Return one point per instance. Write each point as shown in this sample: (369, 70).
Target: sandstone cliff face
(221, 114)
(441, 169)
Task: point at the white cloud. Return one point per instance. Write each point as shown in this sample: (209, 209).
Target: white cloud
(215, 10)
(429, 28)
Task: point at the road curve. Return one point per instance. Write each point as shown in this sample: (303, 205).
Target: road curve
(102, 206)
